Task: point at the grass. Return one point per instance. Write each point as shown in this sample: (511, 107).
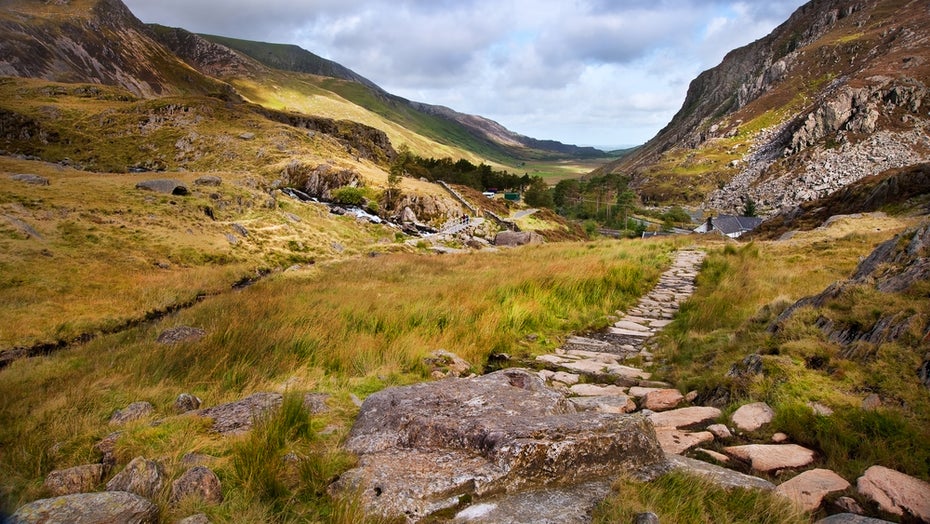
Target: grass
(346, 328)
(685, 499)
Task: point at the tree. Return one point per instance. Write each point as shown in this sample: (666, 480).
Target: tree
(749, 209)
(398, 169)
(625, 200)
(538, 194)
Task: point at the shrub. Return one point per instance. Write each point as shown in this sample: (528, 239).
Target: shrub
(352, 196)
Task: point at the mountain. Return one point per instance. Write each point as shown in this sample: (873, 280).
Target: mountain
(93, 41)
(295, 59)
(102, 42)
(836, 93)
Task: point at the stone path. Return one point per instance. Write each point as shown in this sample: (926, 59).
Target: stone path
(599, 360)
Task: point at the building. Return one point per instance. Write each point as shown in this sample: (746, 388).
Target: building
(729, 225)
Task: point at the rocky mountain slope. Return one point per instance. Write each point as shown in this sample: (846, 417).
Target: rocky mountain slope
(93, 41)
(102, 42)
(489, 132)
(836, 93)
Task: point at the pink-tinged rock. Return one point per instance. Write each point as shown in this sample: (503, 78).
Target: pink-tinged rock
(639, 391)
(772, 457)
(808, 489)
(662, 399)
(595, 390)
(677, 441)
(719, 457)
(896, 492)
(684, 417)
(778, 438)
(751, 417)
(720, 431)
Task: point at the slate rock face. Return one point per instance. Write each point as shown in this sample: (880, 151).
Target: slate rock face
(421, 447)
(108, 507)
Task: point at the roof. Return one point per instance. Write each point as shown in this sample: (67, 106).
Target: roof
(731, 225)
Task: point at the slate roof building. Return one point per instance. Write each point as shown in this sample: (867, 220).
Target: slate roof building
(729, 225)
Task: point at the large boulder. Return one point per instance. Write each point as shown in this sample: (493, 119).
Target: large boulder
(423, 447)
(662, 399)
(896, 492)
(517, 238)
(109, 507)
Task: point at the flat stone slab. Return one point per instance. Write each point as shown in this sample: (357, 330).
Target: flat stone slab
(772, 457)
(663, 399)
(750, 417)
(684, 417)
(808, 489)
(639, 391)
(678, 441)
(896, 492)
(720, 476)
(562, 504)
(608, 404)
(584, 341)
(566, 378)
(629, 332)
(597, 390)
(632, 326)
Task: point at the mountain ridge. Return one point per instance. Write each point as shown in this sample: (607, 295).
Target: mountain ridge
(792, 117)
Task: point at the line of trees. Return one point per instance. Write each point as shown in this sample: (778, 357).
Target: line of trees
(481, 177)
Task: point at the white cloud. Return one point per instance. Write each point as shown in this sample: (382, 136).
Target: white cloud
(586, 71)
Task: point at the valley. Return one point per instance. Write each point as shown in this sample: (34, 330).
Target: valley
(243, 283)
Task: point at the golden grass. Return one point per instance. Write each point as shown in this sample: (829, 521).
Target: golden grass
(343, 327)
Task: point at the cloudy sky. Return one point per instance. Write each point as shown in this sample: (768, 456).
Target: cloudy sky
(591, 72)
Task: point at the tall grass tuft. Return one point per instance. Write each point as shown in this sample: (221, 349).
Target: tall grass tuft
(686, 499)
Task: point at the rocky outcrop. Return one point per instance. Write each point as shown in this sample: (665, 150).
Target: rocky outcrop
(111, 507)
(319, 181)
(423, 447)
(895, 266)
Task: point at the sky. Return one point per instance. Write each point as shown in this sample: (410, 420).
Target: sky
(587, 72)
